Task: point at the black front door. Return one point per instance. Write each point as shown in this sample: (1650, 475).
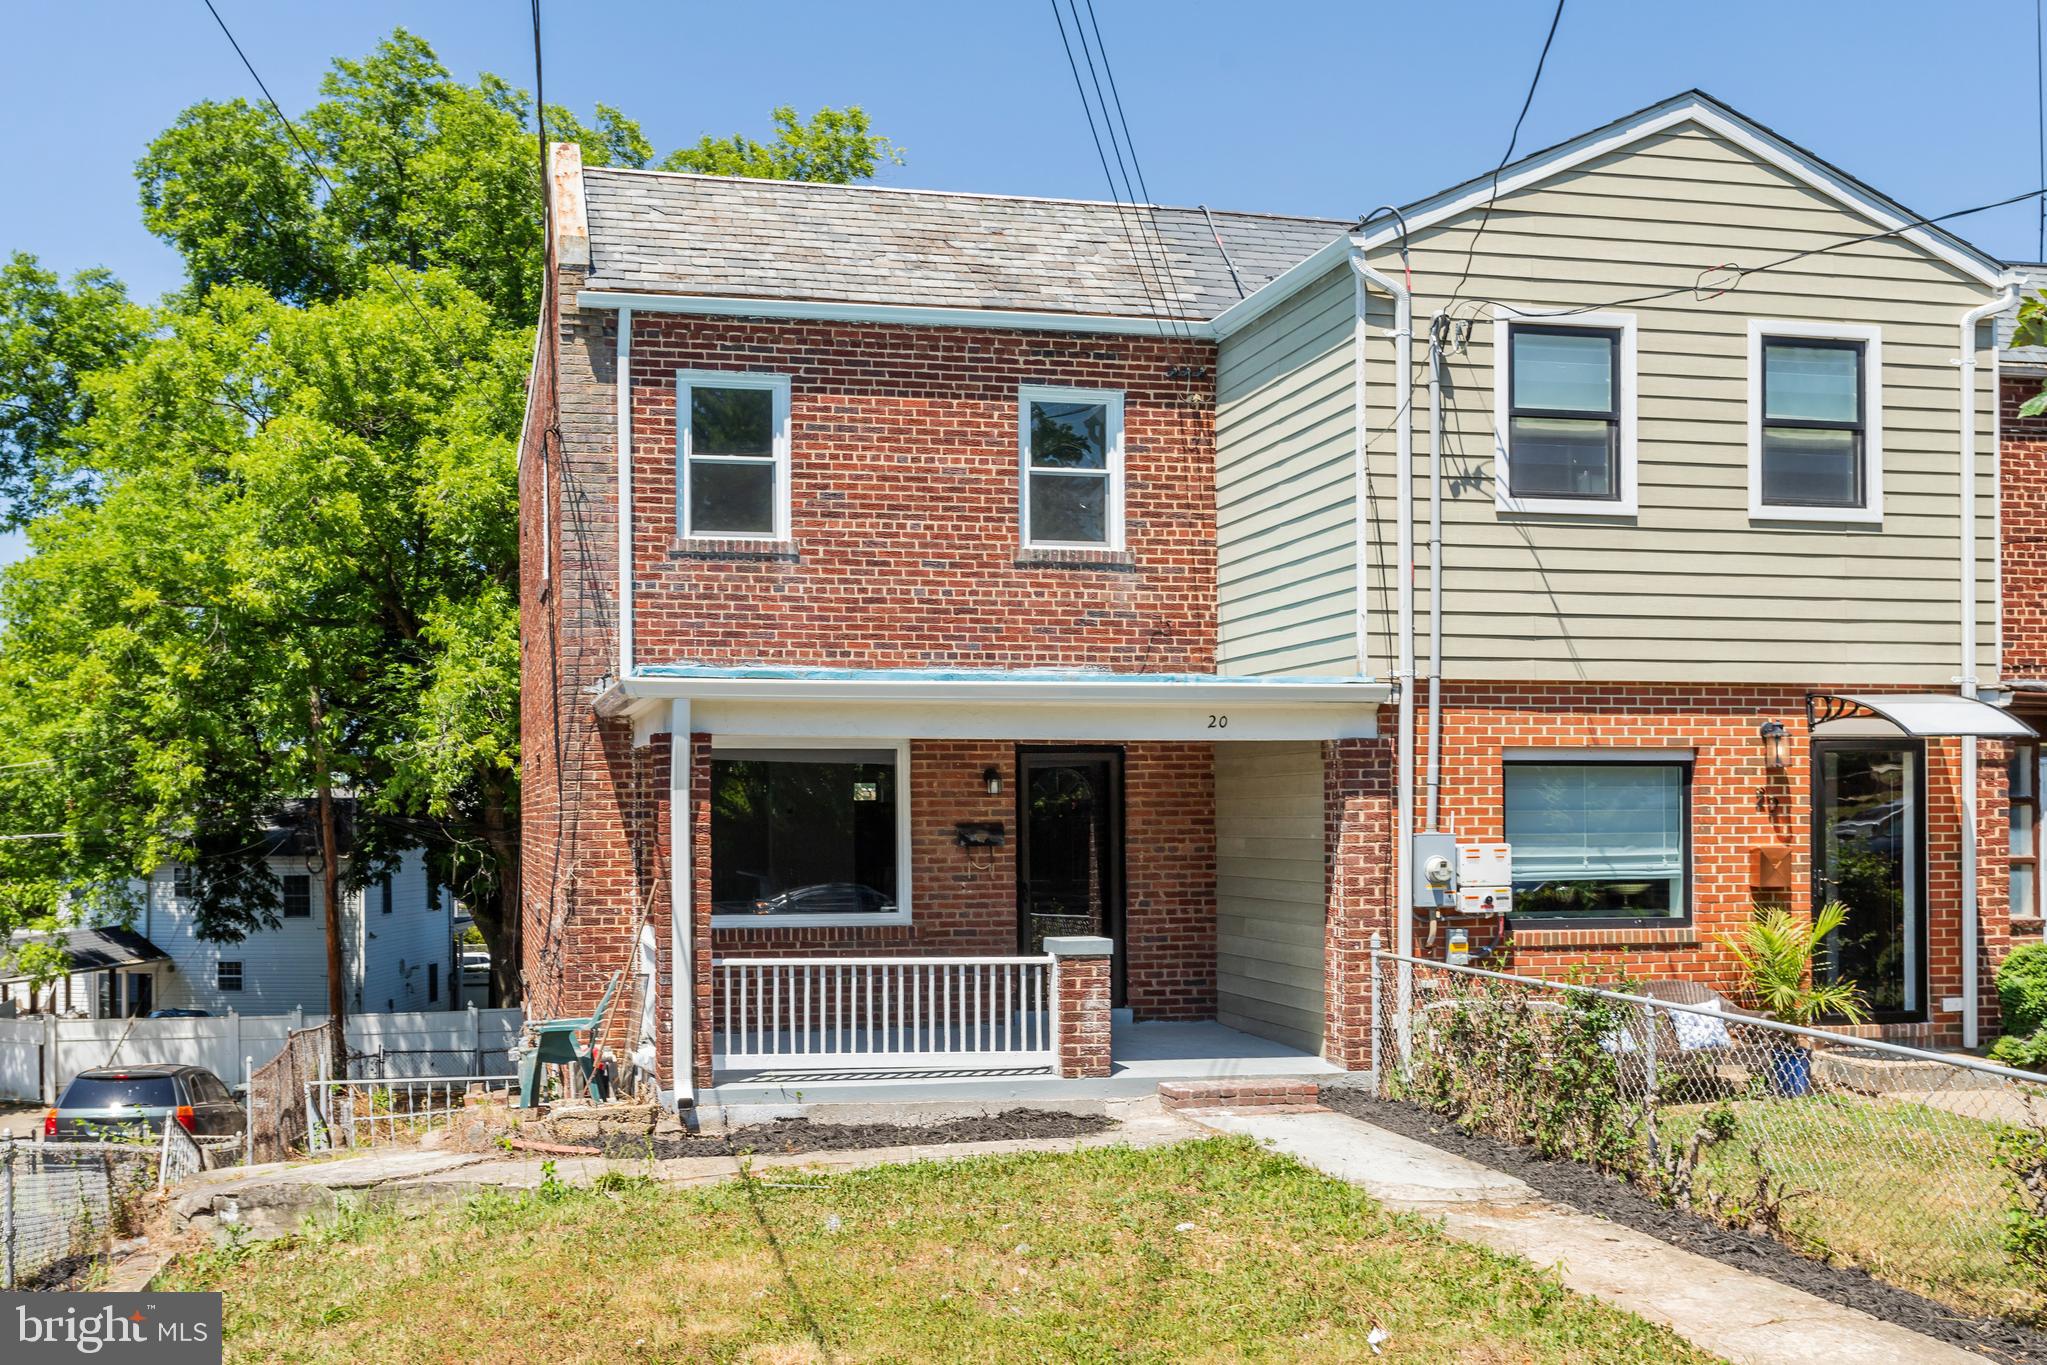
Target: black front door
(1070, 858)
(1869, 853)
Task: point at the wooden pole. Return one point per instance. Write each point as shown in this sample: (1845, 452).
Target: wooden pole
(330, 886)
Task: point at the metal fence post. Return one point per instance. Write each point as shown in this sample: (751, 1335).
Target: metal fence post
(1378, 1081)
(7, 1210)
(1404, 1009)
(248, 1111)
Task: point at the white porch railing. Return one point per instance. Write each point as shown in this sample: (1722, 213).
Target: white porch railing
(881, 1013)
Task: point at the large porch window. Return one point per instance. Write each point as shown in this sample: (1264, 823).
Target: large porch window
(1599, 842)
(806, 836)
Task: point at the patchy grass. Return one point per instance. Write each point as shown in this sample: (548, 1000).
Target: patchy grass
(1908, 1192)
(1204, 1251)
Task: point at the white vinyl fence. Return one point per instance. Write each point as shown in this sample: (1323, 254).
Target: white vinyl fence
(40, 1055)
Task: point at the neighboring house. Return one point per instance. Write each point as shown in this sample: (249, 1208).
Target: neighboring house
(994, 583)
(397, 949)
(2022, 510)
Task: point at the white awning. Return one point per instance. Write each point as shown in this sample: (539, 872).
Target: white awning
(1925, 715)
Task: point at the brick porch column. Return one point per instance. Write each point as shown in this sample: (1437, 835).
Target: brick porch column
(1080, 1005)
(1358, 835)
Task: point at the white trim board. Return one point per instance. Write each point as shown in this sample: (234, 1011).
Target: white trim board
(905, 315)
(822, 721)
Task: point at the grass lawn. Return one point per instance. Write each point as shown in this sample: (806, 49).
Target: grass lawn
(1211, 1250)
(1910, 1193)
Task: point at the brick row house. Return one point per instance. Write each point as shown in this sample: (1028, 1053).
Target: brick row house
(1022, 629)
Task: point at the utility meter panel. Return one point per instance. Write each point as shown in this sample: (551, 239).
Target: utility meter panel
(1434, 869)
(1485, 879)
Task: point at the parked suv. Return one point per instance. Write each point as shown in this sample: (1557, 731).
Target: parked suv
(114, 1102)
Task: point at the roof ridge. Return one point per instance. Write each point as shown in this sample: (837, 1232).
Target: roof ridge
(868, 188)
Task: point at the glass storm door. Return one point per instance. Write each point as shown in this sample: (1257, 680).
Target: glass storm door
(1070, 862)
(1869, 833)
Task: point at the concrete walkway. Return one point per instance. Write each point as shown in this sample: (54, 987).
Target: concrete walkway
(1744, 1317)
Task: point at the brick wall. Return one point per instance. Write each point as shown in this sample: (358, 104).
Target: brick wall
(1737, 807)
(906, 547)
(1359, 828)
(2022, 510)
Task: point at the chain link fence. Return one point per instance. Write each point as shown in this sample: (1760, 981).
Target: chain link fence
(1927, 1170)
(60, 1203)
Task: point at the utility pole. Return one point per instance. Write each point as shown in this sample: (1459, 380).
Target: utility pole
(330, 886)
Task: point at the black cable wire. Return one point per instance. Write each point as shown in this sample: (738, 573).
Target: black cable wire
(313, 165)
(1080, 88)
(1150, 216)
(2040, 116)
(1513, 140)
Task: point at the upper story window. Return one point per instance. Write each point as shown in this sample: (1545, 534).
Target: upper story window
(1071, 452)
(732, 443)
(298, 895)
(1815, 435)
(1566, 413)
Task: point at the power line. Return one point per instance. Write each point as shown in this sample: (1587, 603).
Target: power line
(1088, 109)
(313, 164)
(1513, 140)
(2040, 115)
(1150, 217)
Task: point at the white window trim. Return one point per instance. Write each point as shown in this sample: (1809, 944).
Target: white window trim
(1112, 399)
(776, 384)
(1624, 504)
(1871, 512)
(901, 914)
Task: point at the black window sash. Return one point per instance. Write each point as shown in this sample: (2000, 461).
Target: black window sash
(1610, 415)
(1859, 426)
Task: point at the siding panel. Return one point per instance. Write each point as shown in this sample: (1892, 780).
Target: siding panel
(1269, 890)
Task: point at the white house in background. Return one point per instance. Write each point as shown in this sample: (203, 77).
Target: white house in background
(397, 941)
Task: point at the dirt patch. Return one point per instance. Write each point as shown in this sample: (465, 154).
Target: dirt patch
(801, 1135)
(1582, 1188)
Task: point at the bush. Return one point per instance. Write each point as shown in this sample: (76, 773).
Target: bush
(2027, 1054)
(2022, 990)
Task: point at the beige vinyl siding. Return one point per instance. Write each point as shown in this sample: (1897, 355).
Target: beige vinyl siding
(1269, 891)
(1285, 514)
(1691, 588)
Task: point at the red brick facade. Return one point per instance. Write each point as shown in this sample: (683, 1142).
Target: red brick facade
(2022, 520)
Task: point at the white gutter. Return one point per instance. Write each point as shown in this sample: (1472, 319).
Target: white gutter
(622, 381)
(1403, 672)
(2007, 294)
(1104, 691)
(826, 310)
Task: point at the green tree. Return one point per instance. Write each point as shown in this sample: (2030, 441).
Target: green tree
(298, 481)
(51, 338)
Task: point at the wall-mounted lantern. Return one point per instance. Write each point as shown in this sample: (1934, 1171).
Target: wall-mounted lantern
(1772, 733)
(991, 778)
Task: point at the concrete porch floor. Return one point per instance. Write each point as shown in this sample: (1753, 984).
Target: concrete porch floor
(1141, 1055)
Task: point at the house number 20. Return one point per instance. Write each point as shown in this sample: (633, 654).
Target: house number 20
(1218, 722)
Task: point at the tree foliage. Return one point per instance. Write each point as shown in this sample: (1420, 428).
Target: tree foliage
(297, 474)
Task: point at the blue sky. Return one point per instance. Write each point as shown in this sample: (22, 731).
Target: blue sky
(1326, 108)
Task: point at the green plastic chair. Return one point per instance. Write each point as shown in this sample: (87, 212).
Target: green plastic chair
(555, 1041)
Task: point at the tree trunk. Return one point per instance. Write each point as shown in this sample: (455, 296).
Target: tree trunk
(497, 917)
(330, 887)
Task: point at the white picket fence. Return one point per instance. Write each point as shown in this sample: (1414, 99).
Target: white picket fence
(881, 1014)
(39, 1055)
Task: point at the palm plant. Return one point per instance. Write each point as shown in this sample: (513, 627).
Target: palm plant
(1776, 950)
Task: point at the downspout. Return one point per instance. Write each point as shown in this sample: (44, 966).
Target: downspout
(1403, 673)
(1435, 765)
(622, 381)
(2007, 295)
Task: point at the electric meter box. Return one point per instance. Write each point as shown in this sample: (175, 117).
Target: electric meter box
(1433, 867)
(1485, 879)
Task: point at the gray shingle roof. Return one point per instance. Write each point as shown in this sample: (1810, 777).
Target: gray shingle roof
(2036, 281)
(715, 235)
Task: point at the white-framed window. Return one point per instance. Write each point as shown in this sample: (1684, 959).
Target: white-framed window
(809, 832)
(1564, 414)
(1815, 422)
(732, 455)
(1070, 467)
(1600, 838)
(2024, 770)
(227, 976)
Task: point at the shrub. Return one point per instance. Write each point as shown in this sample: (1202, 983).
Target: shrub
(2022, 990)
(2027, 1054)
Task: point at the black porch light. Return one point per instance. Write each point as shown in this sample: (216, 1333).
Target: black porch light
(991, 778)
(1772, 734)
